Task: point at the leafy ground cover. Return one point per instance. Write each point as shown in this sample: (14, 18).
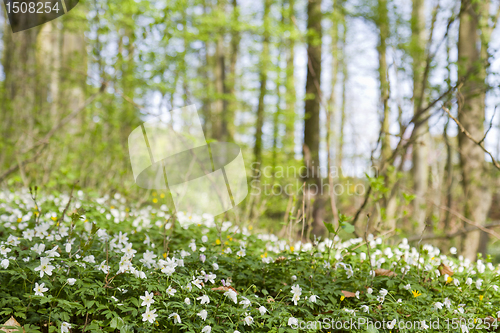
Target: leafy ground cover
(107, 267)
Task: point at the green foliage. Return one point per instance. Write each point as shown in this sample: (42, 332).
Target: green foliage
(276, 282)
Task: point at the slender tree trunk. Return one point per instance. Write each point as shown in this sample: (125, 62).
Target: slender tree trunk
(289, 142)
(230, 86)
(312, 109)
(263, 90)
(340, 149)
(330, 112)
(386, 151)
(420, 169)
(471, 113)
(218, 121)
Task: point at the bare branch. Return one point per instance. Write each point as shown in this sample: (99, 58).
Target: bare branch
(467, 134)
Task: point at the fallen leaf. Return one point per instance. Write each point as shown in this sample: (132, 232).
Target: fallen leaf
(348, 294)
(445, 269)
(384, 272)
(11, 322)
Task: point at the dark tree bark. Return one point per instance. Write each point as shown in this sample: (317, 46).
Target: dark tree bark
(471, 114)
(312, 110)
(263, 90)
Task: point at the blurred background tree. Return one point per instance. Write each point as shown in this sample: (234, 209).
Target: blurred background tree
(396, 99)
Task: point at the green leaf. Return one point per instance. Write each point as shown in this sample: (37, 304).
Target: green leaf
(329, 227)
(347, 227)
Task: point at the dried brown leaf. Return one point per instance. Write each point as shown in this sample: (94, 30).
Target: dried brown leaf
(445, 269)
(384, 272)
(348, 294)
(11, 322)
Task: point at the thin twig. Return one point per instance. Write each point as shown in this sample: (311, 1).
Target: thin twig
(467, 134)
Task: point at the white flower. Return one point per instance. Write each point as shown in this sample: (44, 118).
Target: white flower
(295, 298)
(38, 248)
(204, 239)
(4, 250)
(313, 298)
(296, 290)
(168, 270)
(408, 287)
(149, 315)
(204, 299)
(53, 252)
(232, 295)
(447, 302)
(90, 259)
(206, 329)
(294, 278)
(293, 322)
(495, 287)
(245, 302)
(357, 294)
(262, 310)
(438, 305)
(248, 320)
(28, 234)
(215, 266)
(369, 290)
(12, 240)
(187, 301)
(5, 263)
(44, 267)
(203, 314)
(424, 325)
(453, 250)
(71, 281)
(103, 267)
(391, 324)
(365, 308)
(383, 292)
(464, 328)
(147, 299)
(468, 281)
(65, 327)
(171, 291)
(40, 289)
(479, 283)
(197, 283)
(177, 319)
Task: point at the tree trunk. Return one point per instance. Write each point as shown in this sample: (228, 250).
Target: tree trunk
(340, 149)
(289, 142)
(471, 113)
(312, 110)
(330, 112)
(420, 169)
(217, 117)
(230, 101)
(263, 89)
(386, 151)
